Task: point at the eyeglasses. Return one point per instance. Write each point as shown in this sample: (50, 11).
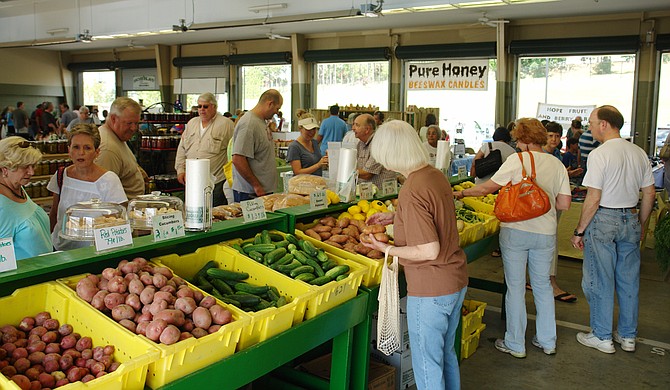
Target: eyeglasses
(205, 106)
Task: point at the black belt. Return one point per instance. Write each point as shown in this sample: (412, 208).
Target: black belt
(617, 208)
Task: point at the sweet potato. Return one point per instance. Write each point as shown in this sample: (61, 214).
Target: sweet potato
(313, 234)
(373, 229)
(328, 221)
(325, 235)
(375, 254)
(220, 315)
(170, 335)
(123, 312)
(185, 304)
(202, 318)
(382, 237)
(339, 238)
(321, 228)
(333, 243)
(343, 222)
(336, 230)
(362, 249)
(155, 328)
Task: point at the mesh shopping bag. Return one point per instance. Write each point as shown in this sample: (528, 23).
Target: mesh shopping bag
(388, 322)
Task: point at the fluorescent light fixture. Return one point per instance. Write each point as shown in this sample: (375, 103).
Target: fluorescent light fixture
(55, 31)
(84, 37)
(267, 7)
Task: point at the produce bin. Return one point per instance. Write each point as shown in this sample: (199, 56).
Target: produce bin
(469, 344)
(330, 294)
(473, 319)
(264, 323)
(134, 353)
(183, 357)
(478, 205)
(373, 275)
(491, 223)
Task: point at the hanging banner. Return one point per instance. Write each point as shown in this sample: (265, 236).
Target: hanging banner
(141, 83)
(563, 114)
(469, 75)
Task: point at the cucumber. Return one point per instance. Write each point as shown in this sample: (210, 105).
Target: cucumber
(275, 255)
(287, 258)
(308, 247)
(301, 270)
(225, 274)
(273, 294)
(300, 256)
(260, 248)
(265, 237)
(337, 271)
(263, 305)
(245, 300)
(245, 244)
(321, 256)
(257, 256)
(203, 271)
(221, 286)
(281, 244)
(281, 302)
(292, 239)
(329, 264)
(230, 301)
(317, 268)
(287, 268)
(249, 288)
(306, 277)
(321, 281)
(238, 248)
(291, 247)
(341, 277)
(258, 239)
(276, 237)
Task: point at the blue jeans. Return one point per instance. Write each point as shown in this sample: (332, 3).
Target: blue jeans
(518, 248)
(432, 324)
(612, 261)
(242, 196)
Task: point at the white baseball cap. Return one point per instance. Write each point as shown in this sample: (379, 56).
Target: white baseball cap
(308, 123)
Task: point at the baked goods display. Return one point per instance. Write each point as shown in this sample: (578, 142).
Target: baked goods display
(306, 184)
(142, 209)
(81, 219)
(228, 211)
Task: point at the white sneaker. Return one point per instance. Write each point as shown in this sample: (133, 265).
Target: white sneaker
(547, 351)
(591, 341)
(502, 347)
(627, 344)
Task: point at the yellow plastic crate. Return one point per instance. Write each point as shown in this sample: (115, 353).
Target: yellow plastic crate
(332, 293)
(491, 223)
(264, 323)
(473, 319)
(186, 356)
(134, 354)
(373, 275)
(478, 205)
(472, 233)
(469, 344)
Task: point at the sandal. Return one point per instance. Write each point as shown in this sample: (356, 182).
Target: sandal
(496, 253)
(565, 297)
(529, 287)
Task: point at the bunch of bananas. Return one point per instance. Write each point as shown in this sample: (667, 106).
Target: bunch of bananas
(463, 186)
(363, 209)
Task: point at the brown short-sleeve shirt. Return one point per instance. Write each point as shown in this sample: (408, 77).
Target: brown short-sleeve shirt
(426, 214)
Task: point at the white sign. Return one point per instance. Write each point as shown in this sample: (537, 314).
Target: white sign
(470, 75)
(144, 83)
(390, 187)
(562, 114)
(318, 200)
(112, 237)
(7, 255)
(166, 226)
(366, 191)
(462, 172)
(253, 210)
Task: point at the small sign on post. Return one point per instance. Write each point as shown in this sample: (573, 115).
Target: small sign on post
(167, 226)
(253, 210)
(318, 200)
(462, 172)
(390, 187)
(112, 237)
(7, 255)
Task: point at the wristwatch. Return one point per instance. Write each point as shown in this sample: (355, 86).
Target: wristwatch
(578, 234)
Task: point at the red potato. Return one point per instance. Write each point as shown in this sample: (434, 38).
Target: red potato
(185, 304)
(98, 300)
(184, 291)
(123, 312)
(65, 329)
(207, 302)
(130, 277)
(140, 260)
(46, 380)
(172, 317)
(185, 335)
(109, 350)
(130, 268)
(102, 284)
(98, 353)
(27, 324)
(75, 374)
(10, 338)
(170, 335)
(41, 317)
(169, 288)
(3, 355)
(72, 352)
(81, 362)
(8, 329)
(21, 342)
(117, 285)
(8, 371)
(188, 325)
(158, 306)
(50, 337)
(38, 330)
(109, 273)
(144, 317)
(146, 278)
(165, 271)
(19, 352)
(198, 296)
(164, 295)
(86, 289)
(62, 382)
(141, 327)
(114, 299)
(155, 328)
(34, 372)
(213, 329)
(179, 282)
(87, 378)
(159, 280)
(52, 348)
(113, 367)
(68, 342)
(84, 343)
(22, 381)
(147, 295)
(202, 318)
(220, 315)
(97, 367)
(199, 332)
(87, 353)
(22, 365)
(94, 278)
(65, 362)
(128, 324)
(135, 286)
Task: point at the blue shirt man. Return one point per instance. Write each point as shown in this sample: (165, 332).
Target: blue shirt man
(332, 129)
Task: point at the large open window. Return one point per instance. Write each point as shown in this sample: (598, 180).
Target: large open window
(256, 79)
(99, 89)
(663, 114)
(352, 83)
(577, 81)
(467, 115)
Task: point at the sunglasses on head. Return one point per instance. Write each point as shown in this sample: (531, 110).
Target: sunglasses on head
(23, 144)
(205, 106)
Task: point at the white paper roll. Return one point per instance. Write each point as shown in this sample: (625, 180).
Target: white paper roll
(346, 164)
(333, 158)
(443, 158)
(199, 188)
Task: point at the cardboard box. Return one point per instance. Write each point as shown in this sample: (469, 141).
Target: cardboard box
(402, 361)
(380, 376)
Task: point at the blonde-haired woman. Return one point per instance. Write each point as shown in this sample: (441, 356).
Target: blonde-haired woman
(426, 241)
(82, 181)
(20, 218)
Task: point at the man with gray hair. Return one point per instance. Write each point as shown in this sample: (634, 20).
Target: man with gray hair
(82, 118)
(206, 136)
(115, 155)
(369, 170)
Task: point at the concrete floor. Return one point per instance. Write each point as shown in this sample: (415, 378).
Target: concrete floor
(574, 366)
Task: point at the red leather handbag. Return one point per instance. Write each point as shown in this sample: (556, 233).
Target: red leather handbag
(524, 200)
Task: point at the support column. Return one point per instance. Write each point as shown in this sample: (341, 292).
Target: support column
(505, 92)
(301, 96)
(163, 66)
(643, 120)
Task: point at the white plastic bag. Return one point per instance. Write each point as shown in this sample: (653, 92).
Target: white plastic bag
(388, 322)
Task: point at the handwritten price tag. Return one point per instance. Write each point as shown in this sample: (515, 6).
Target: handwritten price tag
(390, 187)
(7, 255)
(318, 200)
(112, 237)
(366, 191)
(167, 226)
(253, 210)
(462, 172)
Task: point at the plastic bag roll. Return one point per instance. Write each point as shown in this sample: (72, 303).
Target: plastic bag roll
(199, 187)
(443, 158)
(346, 164)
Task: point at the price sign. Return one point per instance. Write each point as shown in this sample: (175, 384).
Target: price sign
(318, 200)
(390, 187)
(462, 172)
(366, 190)
(253, 210)
(112, 237)
(167, 226)
(7, 255)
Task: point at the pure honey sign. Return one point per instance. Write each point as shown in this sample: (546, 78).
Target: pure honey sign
(471, 75)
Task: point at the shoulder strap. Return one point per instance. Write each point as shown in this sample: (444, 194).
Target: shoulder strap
(532, 165)
(59, 177)
(490, 146)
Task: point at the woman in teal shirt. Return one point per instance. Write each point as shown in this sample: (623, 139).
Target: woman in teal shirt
(20, 218)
